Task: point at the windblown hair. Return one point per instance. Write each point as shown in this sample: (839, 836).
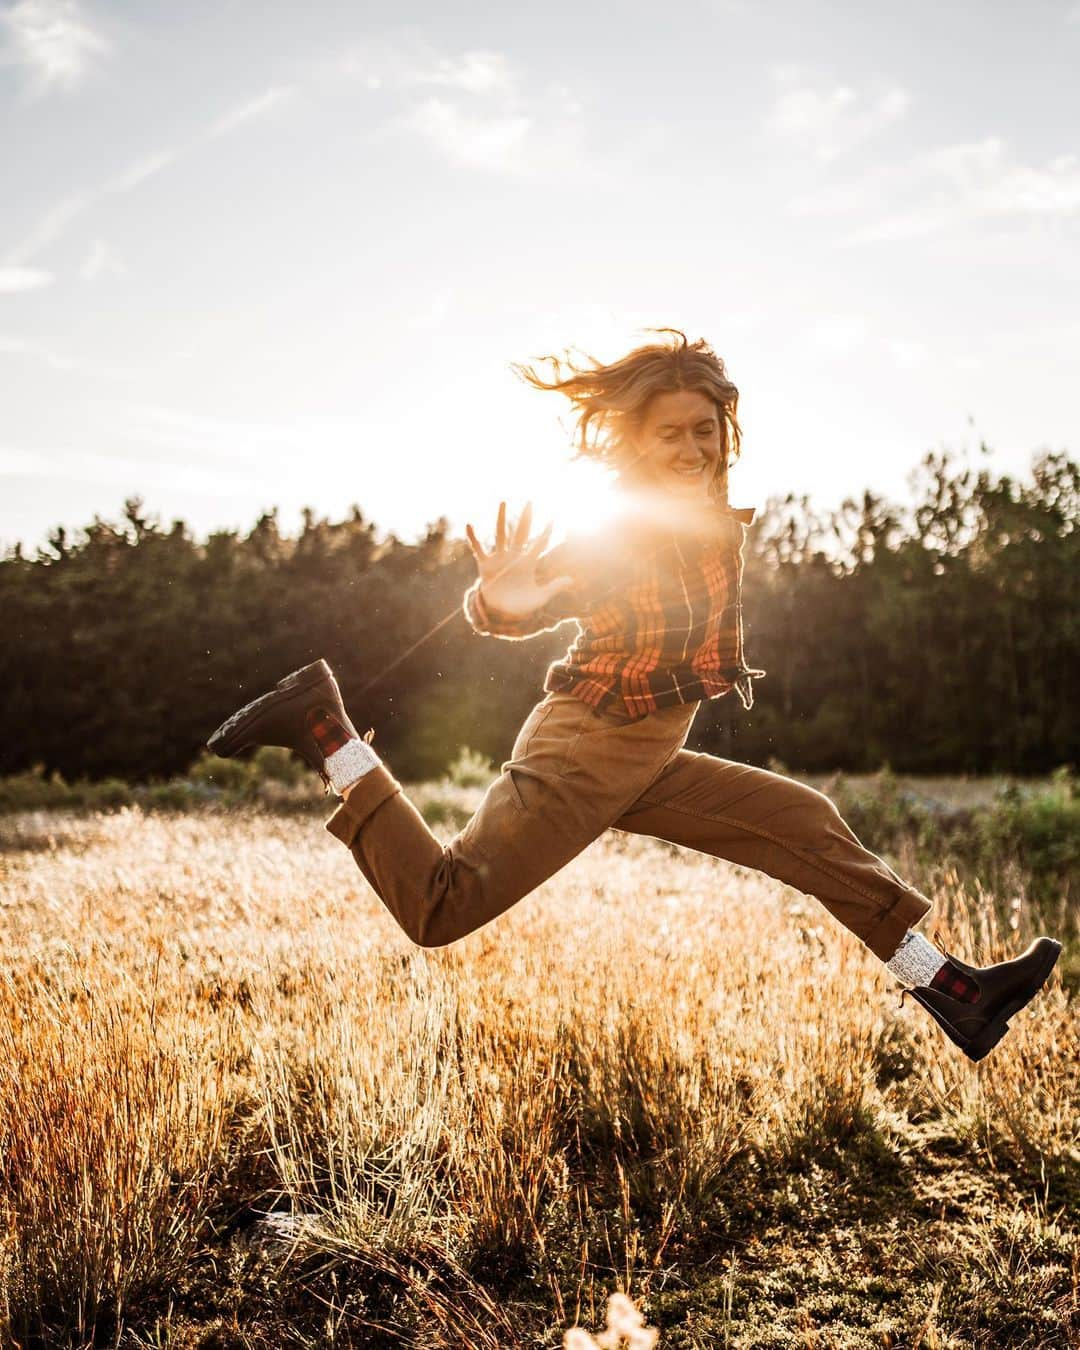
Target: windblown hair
(610, 401)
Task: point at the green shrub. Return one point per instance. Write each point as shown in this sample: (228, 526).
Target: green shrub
(234, 776)
(883, 814)
(275, 764)
(442, 811)
(175, 795)
(470, 769)
(32, 791)
(108, 793)
(1038, 830)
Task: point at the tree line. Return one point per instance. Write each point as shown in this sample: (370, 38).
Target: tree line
(939, 636)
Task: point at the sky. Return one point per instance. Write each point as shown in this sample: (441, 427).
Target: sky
(268, 254)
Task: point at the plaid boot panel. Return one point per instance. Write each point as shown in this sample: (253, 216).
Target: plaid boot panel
(955, 984)
(328, 732)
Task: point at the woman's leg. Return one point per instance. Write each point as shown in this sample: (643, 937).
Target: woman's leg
(572, 773)
(785, 829)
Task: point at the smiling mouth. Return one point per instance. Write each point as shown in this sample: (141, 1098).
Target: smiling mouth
(690, 470)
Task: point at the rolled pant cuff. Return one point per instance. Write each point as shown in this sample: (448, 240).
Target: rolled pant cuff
(884, 938)
(377, 786)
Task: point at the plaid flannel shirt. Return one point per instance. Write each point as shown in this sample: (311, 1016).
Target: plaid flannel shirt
(659, 616)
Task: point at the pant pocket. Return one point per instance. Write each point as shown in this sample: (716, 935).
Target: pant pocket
(529, 729)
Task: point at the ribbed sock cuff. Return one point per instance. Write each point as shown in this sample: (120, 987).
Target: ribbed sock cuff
(916, 961)
(352, 761)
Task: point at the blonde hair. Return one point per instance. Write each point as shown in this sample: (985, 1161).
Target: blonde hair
(610, 401)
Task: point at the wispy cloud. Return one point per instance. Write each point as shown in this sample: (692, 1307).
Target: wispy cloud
(474, 72)
(407, 61)
(52, 40)
(101, 261)
(830, 119)
(479, 141)
(59, 217)
(485, 114)
(138, 171)
(16, 279)
(56, 220)
(946, 187)
(252, 109)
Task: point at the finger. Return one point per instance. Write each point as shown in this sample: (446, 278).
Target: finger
(541, 541)
(524, 525)
(474, 543)
(500, 528)
(554, 587)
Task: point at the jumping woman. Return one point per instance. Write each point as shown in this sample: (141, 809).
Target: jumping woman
(657, 600)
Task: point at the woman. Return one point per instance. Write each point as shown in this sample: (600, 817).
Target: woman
(658, 602)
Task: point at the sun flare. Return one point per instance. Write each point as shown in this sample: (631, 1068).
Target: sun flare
(576, 498)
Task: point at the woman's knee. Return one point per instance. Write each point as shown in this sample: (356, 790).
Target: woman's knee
(817, 810)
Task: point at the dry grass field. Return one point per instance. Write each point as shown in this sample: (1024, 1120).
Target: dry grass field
(659, 1075)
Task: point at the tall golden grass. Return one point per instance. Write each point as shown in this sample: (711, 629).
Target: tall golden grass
(208, 1016)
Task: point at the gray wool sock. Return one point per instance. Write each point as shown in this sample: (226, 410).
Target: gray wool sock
(345, 766)
(915, 961)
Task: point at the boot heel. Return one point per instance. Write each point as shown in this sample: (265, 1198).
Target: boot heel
(306, 675)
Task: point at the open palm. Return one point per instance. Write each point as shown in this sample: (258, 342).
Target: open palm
(508, 578)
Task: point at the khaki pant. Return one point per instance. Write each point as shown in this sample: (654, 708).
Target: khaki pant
(575, 773)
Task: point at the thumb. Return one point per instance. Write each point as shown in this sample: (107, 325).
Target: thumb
(554, 587)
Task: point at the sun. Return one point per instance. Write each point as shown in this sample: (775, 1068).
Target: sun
(576, 498)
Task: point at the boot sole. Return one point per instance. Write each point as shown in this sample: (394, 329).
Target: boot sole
(229, 738)
(979, 1046)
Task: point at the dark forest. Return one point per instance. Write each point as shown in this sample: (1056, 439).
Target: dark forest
(938, 636)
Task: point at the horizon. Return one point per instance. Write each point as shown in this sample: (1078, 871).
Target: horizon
(164, 521)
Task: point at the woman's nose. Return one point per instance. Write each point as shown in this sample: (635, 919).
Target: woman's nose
(688, 447)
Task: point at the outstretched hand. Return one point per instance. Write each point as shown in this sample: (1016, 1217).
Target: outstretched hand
(508, 579)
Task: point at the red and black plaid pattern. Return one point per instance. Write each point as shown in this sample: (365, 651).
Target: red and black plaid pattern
(659, 618)
(329, 734)
(955, 984)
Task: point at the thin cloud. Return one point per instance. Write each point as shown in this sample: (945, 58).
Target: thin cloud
(13, 280)
(57, 219)
(101, 261)
(53, 41)
(251, 110)
(474, 72)
(947, 187)
(965, 183)
(477, 141)
(831, 120)
(484, 115)
(406, 62)
(138, 172)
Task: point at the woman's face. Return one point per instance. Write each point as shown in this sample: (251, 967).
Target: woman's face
(679, 446)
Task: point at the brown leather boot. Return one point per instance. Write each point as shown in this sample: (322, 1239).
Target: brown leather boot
(1003, 990)
(284, 717)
